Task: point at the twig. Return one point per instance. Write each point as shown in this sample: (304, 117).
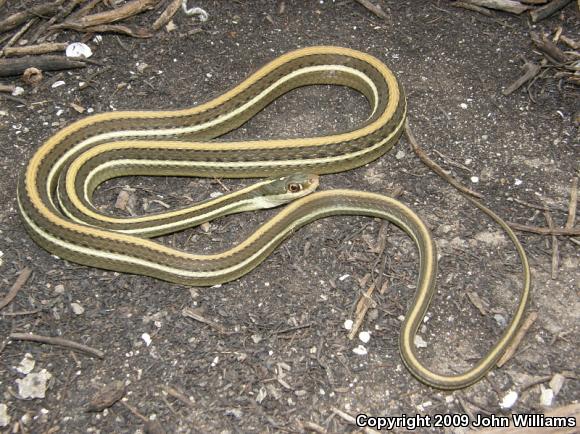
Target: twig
(470, 7)
(64, 12)
(35, 49)
(20, 281)
(57, 341)
(178, 395)
(311, 426)
(18, 35)
(575, 45)
(532, 316)
(17, 66)
(531, 69)
(375, 9)
(84, 10)
(434, 166)
(135, 32)
(134, 411)
(8, 88)
(570, 232)
(511, 6)
(127, 10)
(549, 48)
(545, 11)
(18, 18)
(196, 315)
(573, 203)
(452, 163)
(167, 14)
(555, 260)
(347, 417)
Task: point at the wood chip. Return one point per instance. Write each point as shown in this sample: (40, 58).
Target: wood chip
(106, 397)
(167, 14)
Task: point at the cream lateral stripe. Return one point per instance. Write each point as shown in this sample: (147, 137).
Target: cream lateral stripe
(113, 135)
(187, 273)
(110, 165)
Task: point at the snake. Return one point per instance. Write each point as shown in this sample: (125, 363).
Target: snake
(55, 191)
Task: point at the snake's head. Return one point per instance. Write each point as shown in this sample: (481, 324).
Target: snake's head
(281, 190)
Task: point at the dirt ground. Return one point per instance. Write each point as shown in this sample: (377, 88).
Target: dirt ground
(280, 355)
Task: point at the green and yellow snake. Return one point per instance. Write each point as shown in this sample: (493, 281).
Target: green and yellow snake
(55, 192)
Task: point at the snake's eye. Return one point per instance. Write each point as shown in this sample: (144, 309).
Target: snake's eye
(294, 187)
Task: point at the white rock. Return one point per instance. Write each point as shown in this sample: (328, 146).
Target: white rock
(546, 396)
(360, 350)
(4, 416)
(348, 324)
(26, 365)
(364, 336)
(463, 105)
(57, 84)
(509, 400)
(77, 308)
(518, 182)
(17, 91)
(33, 385)
(78, 49)
(556, 383)
(420, 342)
(475, 179)
(146, 338)
(400, 155)
(344, 277)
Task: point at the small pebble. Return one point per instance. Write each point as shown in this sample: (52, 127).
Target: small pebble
(364, 337)
(348, 324)
(360, 350)
(420, 342)
(146, 338)
(77, 308)
(475, 179)
(509, 400)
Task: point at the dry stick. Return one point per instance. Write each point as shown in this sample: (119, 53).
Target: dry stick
(555, 250)
(470, 7)
(532, 316)
(194, 314)
(179, 395)
(49, 47)
(347, 417)
(9, 88)
(534, 2)
(84, 10)
(511, 6)
(545, 11)
(570, 232)
(57, 341)
(64, 12)
(573, 202)
(375, 9)
(548, 47)
(20, 281)
(575, 45)
(127, 10)
(167, 14)
(311, 426)
(18, 35)
(38, 11)
(114, 28)
(434, 166)
(531, 69)
(9, 67)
